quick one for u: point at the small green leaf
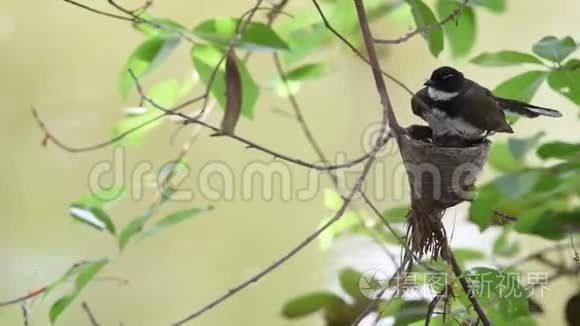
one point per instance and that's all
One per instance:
(332, 200)
(521, 87)
(205, 59)
(494, 286)
(462, 32)
(93, 216)
(410, 312)
(349, 281)
(311, 303)
(517, 184)
(502, 246)
(481, 210)
(255, 36)
(501, 158)
(295, 77)
(348, 221)
(504, 58)
(552, 220)
(396, 214)
(102, 197)
(425, 17)
(305, 41)
(566, 80)
(496, 6)
(464, 255)
(519, 147)
(136, 225)
(85, 274)
(558, 149)
(148, 56)
(165, 94)
(172, 219)
(554, 49)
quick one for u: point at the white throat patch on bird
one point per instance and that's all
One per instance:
(438, 95)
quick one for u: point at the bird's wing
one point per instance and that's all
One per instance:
(484, 112)
(419, 102)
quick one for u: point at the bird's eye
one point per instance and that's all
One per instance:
(447, 76)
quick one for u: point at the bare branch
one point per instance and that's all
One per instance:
(23, 298)
(90, 314)
(355, 50)
(25, 313)
(250, 144)
(425, 29)
(467, 288)
(106, 143)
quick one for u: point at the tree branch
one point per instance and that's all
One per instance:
(425, 29)
(90, 314)
(467, 288)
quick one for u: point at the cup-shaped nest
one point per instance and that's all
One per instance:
(439, 177)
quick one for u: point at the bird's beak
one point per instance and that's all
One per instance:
(428, 83)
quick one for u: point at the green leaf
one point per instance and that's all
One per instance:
(495, 286)
(396, 214)
(205, 59)
(255, 36)
(84, 274)
(551, 221)
(554, 49)
(410, 312)
(519, 147)
(502, 246)
(148, 56)
(501, 158)
(93, 216)
(517, 184)
(462, 32)
(136, 225)
(504, 58)
(344, 225)
(464, 255)
(295, 78)
(349, 281)
(496, 6)
(332, 200)
(102, 197)
(559, 150)
(481, 210)
(173, 219)
(165, 94)
(311, 303)
(424, 17)
(566, 80)
(305, 41)
(521, 87)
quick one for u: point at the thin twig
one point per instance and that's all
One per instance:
(355, 50)
(277, 263)
(25, 313)
(90, 314)
(108, 142)
(23, 298)
(299, 116)
(248, 143)
(467, 288)
(425, 29)
(100, 12)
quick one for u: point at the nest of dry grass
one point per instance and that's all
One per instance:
(440, 176)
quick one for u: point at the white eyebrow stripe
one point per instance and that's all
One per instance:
(447, 76)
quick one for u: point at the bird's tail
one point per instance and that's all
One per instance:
(524, 109)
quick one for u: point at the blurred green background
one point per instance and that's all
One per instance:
(65, 61)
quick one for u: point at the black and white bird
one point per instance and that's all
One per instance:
(457, 107)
